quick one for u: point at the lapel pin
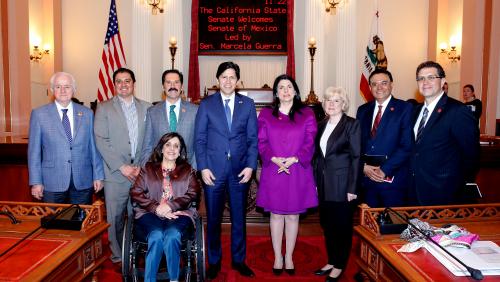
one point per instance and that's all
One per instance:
(183, 110)
(439, 110)
(80, 114)
(240, 102)
(392, 109)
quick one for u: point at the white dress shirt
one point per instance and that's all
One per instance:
(69, 113)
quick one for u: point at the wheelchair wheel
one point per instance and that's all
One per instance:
(127, 250)
(200, 250)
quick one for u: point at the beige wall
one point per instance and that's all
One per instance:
(404, 23)
(404, 28)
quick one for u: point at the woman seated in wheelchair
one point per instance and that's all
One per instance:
(162, 196)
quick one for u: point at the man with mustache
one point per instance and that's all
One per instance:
(171, 115)
(119, 131)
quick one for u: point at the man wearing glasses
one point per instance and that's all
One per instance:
(446, 150)
(119, 132)
(386, 142)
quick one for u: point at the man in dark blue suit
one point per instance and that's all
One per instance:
(385, 133)
(226, 154)
(446, 150)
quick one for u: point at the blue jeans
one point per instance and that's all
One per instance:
(163, 236)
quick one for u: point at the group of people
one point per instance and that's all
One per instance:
(153, 160)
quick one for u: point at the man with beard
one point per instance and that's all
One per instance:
(119, 131)
(171, 115)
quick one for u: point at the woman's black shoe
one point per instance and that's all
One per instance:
(334, 279)
(290, 271)
(321, 272)
(277, 271)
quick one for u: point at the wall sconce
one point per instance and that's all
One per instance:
(156, 6)
(37, 53)
(331, 5)
(452, 54)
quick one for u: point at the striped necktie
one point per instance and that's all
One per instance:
(421, 125)
(66, 125)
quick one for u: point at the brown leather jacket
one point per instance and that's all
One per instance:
(147, 190)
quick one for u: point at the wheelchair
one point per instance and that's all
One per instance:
(192, 254)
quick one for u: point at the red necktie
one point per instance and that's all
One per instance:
(377, 121)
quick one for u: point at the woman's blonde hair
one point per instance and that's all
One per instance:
(331, 91)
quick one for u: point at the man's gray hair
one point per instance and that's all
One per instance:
(61, 73)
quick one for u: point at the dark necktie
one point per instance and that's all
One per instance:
(228, 113)
(376, 122)
(173, 119)
(66, 125)
(421, 125)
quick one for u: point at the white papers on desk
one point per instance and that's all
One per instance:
(483, 255)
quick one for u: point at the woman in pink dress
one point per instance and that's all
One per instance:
(286, 146)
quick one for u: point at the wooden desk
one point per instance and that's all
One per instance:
(50, 255)
(377, 255)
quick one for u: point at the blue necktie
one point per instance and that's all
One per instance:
(173, 119)
(228, 112)
(66, 125)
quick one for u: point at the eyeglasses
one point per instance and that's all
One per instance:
(430, 78)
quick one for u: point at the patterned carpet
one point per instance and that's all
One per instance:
(309, 255)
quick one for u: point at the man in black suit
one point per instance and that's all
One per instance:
(446, 150)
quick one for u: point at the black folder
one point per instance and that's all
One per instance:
(374, 160)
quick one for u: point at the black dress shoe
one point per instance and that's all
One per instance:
(321, 272)
(334, 279)
(290, 271)
(277, 271)
(213, 270)
(243, 269)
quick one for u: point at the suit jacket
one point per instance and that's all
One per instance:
(336, 172)
(446, 155)
(157, 125)
(214, 140)
(148, 188)
(112, 139)
(52, 159)
(393, 139)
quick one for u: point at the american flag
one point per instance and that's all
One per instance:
(112, 57)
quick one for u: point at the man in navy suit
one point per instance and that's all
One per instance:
(63, 161)
(226, 154)
(173, 114)
(385, 132)
(446, 150)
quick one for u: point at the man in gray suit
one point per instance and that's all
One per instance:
(119, 131)
(63, 161)
(173, 114)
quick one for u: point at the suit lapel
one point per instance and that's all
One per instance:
(56, 119)
(182, 111)
(436, 114)
(121, 116)
(367, 122)
(140, 109)
(321, 129)
(387, 116)
(330, 145)
(219, 107)
(77, 120)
